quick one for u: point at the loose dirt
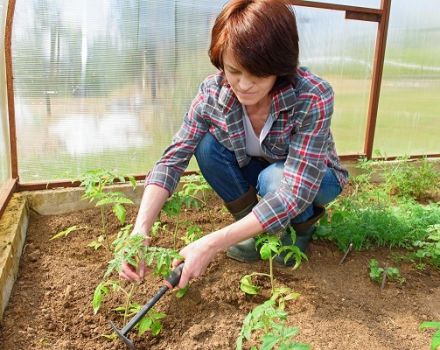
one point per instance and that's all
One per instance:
(339, 307)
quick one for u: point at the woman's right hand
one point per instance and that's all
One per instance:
(130, 272)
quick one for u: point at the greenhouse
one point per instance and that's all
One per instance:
(308, 218)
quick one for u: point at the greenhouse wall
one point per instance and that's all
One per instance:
(107, 83)
(409, 112)
(5, 169)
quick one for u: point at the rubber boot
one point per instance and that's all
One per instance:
(245, 251)
(304, 232)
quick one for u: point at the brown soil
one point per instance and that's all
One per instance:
(339, 307)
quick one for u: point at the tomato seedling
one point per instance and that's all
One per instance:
(380, 274)
(270, 246)
(94, 182)
(132, 249)
(65, 232)
(268, 322)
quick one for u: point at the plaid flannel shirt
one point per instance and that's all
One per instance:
(300, 135)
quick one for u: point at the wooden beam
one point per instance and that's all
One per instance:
(36, 186)
(353, 12)
(6, 192)
(376, 80)
(10, 89)
(369, 17)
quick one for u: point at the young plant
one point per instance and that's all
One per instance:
(270, 246)
(429, 248)
(151, 323)
(186, 197)
(435, 342)
(380, 275)
(267, 324)
(197, 185)
(132, 249)
(94, 182)
(292, 251)
(193, 233)
(173, 208)
(65, 232)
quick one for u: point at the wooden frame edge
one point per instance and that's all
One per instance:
(6, 192)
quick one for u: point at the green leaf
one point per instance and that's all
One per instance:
(156, 327)
(120, 212)
(65, 232)
(145, 324)
(430, 324)
(132, 181)
(182, 292)
(247, 286)
(100, 292)
(265, 252)
(269, 341)
(239, 343)
(435, 342)
(112, 198)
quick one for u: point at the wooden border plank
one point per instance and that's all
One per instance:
(36, 186)
(6, 192)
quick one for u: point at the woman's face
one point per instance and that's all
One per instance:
(251, 91)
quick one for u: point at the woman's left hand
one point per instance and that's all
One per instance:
(197, 255)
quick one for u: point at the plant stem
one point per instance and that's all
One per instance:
(127, 303)
(175, 234)
(104, 229)
(384, 279)
(271, 272)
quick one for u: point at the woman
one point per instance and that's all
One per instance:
(261, 125)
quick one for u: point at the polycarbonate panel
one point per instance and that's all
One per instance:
(104, 83)
(341, 51)
(409, 110)
(5, 169)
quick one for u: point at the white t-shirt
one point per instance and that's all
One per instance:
(253, 142)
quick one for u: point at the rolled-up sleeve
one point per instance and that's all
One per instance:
(168, 170)
(305, 165)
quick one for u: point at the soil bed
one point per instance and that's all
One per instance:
(339, 308)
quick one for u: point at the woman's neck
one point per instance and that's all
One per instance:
(261, 107)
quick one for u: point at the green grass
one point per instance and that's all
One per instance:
(407, 120)
(387, 214)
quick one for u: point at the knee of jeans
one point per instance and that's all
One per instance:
(270, 178)
(205, 148)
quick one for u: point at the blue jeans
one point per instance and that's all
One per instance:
(220, 168)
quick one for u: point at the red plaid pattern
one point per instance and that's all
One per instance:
(300, 135)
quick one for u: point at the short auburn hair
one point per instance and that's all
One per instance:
(262, 36)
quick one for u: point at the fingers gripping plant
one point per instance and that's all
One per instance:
(94, 182)
(132, 249)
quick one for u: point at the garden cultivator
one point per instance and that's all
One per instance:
(170, 282)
